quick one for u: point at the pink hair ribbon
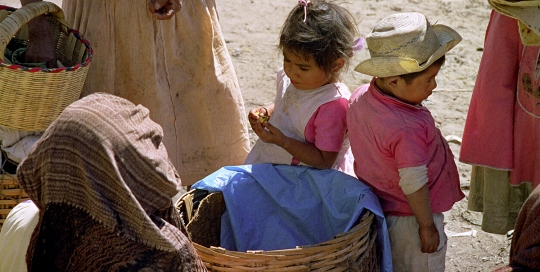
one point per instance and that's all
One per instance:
(304, 3)
(358, 44)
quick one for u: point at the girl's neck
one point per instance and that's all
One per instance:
(334, 78)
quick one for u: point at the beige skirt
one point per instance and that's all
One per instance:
(500, 202)
(179, 69)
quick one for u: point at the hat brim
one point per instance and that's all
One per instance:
(395, 66)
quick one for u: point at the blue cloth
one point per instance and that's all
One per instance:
(271, 207)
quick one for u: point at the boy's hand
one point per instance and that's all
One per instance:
(430, 238)
(421, 207)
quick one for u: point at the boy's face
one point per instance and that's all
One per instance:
(304, 73)
(419, 89)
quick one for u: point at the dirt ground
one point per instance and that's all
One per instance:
(251, 29)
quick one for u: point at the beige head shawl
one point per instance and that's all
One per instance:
(527, 12)
(104, 156)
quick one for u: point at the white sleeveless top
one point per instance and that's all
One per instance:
(293, 108)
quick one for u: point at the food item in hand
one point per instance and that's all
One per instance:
(262, 117)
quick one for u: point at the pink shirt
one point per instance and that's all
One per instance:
(328, 125)
(386, 135)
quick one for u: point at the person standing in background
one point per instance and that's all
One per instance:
(501, 138)
(169, 56)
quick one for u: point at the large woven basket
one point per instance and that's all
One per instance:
(31, 98)
(355, 250)
(10, 195)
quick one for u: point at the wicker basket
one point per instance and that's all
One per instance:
(355, 250)
(31, 98)
(10, 195)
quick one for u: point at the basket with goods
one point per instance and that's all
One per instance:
(32, 97)
(354, 250)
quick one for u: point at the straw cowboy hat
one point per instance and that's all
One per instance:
(405, 43)
(528, 15)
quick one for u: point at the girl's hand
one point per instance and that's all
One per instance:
(258, 115)
(270, 134)
(164, 9)
(430, 238)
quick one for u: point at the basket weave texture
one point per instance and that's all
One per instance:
(10, 195)
(31, 98)
(355, 250)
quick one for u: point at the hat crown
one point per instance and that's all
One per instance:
(404, 35)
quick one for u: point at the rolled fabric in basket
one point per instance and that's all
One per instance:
(271, 207)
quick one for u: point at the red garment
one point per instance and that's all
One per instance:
(386, 135)
(499, 132)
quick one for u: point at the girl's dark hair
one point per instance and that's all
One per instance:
(327, 34)
(410, 77)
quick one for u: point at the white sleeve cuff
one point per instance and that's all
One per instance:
(412, 178)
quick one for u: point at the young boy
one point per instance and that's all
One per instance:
(398, 150)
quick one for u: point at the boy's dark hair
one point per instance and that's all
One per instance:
(327, 34)
(410, 77)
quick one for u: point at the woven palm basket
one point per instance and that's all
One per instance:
(10, 195)
(355, 250)
(31, 98)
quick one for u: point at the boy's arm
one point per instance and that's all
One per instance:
(421, 207)
(411, 179)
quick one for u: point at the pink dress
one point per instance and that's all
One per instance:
(501, 138)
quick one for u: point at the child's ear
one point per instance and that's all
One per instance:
(393, 81)
(338, 64)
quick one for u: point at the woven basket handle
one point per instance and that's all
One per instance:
(20, 17)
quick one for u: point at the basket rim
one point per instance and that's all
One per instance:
(76, 33)
(365, 223)
(337, 252)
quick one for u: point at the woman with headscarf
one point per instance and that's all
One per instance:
(103, 183)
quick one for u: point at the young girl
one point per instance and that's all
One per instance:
(306, 125)
(286, 194)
